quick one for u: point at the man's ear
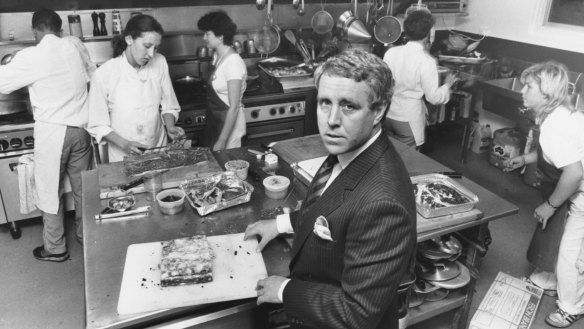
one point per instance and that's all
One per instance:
(380, 111)
(129, 40)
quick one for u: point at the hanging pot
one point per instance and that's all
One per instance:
(388, 28)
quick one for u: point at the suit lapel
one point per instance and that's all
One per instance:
(334, 196)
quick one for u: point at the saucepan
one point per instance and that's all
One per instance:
(15, 102)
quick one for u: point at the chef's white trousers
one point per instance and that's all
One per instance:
(570, 282)
(75, 158)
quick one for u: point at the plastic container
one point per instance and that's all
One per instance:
(507, 143)
(276, 186)
(482, 139)
(171, 201)
(239, 167)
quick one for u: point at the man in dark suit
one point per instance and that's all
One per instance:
(354, 241)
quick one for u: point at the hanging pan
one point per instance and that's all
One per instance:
(388, 28)
(267, 38)
(322, 21)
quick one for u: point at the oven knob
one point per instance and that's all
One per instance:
(29, 141)
(292, 109)
(4, 145)
(16, 143)
(273, 111)
(282, 110)
(188, 121)
(255, 114)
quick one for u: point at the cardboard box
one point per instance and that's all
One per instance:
(510, 303)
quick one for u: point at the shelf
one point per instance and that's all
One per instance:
(428, 310)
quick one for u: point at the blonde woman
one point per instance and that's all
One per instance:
(560, 157)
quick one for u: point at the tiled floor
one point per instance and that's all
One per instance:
(37, 294)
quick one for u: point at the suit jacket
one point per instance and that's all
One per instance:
(352, 281)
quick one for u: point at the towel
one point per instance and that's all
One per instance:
(26, 187)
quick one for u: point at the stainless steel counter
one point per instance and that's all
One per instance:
(106, 243)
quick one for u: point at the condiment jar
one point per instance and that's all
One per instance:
(250, 47)
(202, 52)
(75, 26)
(116, 22)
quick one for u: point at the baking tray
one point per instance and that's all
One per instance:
(429, 212)
(462, 60)
(207, 183)
(265, 65)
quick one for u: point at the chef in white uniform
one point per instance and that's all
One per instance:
(56, 76)
(132, 103)
(416, 76)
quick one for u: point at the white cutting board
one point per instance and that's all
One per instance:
(236, 269)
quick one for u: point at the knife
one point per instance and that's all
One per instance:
(451, 174)
(131, 184)
(120, 214)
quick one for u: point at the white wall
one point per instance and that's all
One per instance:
(519, 20)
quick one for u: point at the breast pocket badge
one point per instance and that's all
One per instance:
(321, 229)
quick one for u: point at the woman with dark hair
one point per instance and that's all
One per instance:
(226, 83)
(132, 103)
(560, 157)
(416, 76)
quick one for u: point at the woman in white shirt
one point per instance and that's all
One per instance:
(416, 76)
(560, 157)
(226, 84)
(131, 99)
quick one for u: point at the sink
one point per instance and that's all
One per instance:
(506, 87)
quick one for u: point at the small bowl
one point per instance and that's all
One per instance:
(276, 186)
(121, 203)
(239, 167)
(171, 201)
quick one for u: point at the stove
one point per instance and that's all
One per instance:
(16, 134)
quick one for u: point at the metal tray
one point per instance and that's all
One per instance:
(210, 181)
(462, 60)
(430, 212)
(265, 65)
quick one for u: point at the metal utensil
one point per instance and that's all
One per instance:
(120, 214)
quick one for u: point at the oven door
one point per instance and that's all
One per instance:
(265, 132)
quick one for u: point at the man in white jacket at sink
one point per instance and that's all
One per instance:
(56, 76)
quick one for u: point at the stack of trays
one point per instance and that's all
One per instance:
(437, 270)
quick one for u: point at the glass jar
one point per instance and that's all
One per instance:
(75, 26)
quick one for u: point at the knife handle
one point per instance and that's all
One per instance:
(131, 184)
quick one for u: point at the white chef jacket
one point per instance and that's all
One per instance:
(56, 77)
(131, 102)
(415, 73)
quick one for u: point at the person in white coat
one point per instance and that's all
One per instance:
(132, 103)
(56, 76)
(415, 73)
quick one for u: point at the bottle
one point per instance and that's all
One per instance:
(528, 142)
(103, 30)
(116, 22)
(486, 137)
(95, 24)
(75, 26)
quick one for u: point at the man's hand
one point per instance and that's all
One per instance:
(134, 148)
(268, 288)
(266, 229)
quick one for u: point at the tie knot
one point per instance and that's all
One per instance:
(331, 160)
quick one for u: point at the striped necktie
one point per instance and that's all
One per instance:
(320, 179)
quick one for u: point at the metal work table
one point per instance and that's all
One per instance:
(105, 244)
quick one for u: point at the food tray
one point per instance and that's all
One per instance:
(265, 66)
(462, 60)
(428, 212)
(208, 183)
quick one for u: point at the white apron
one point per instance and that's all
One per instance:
(135, 113)
(49, 139)
(413, 111)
